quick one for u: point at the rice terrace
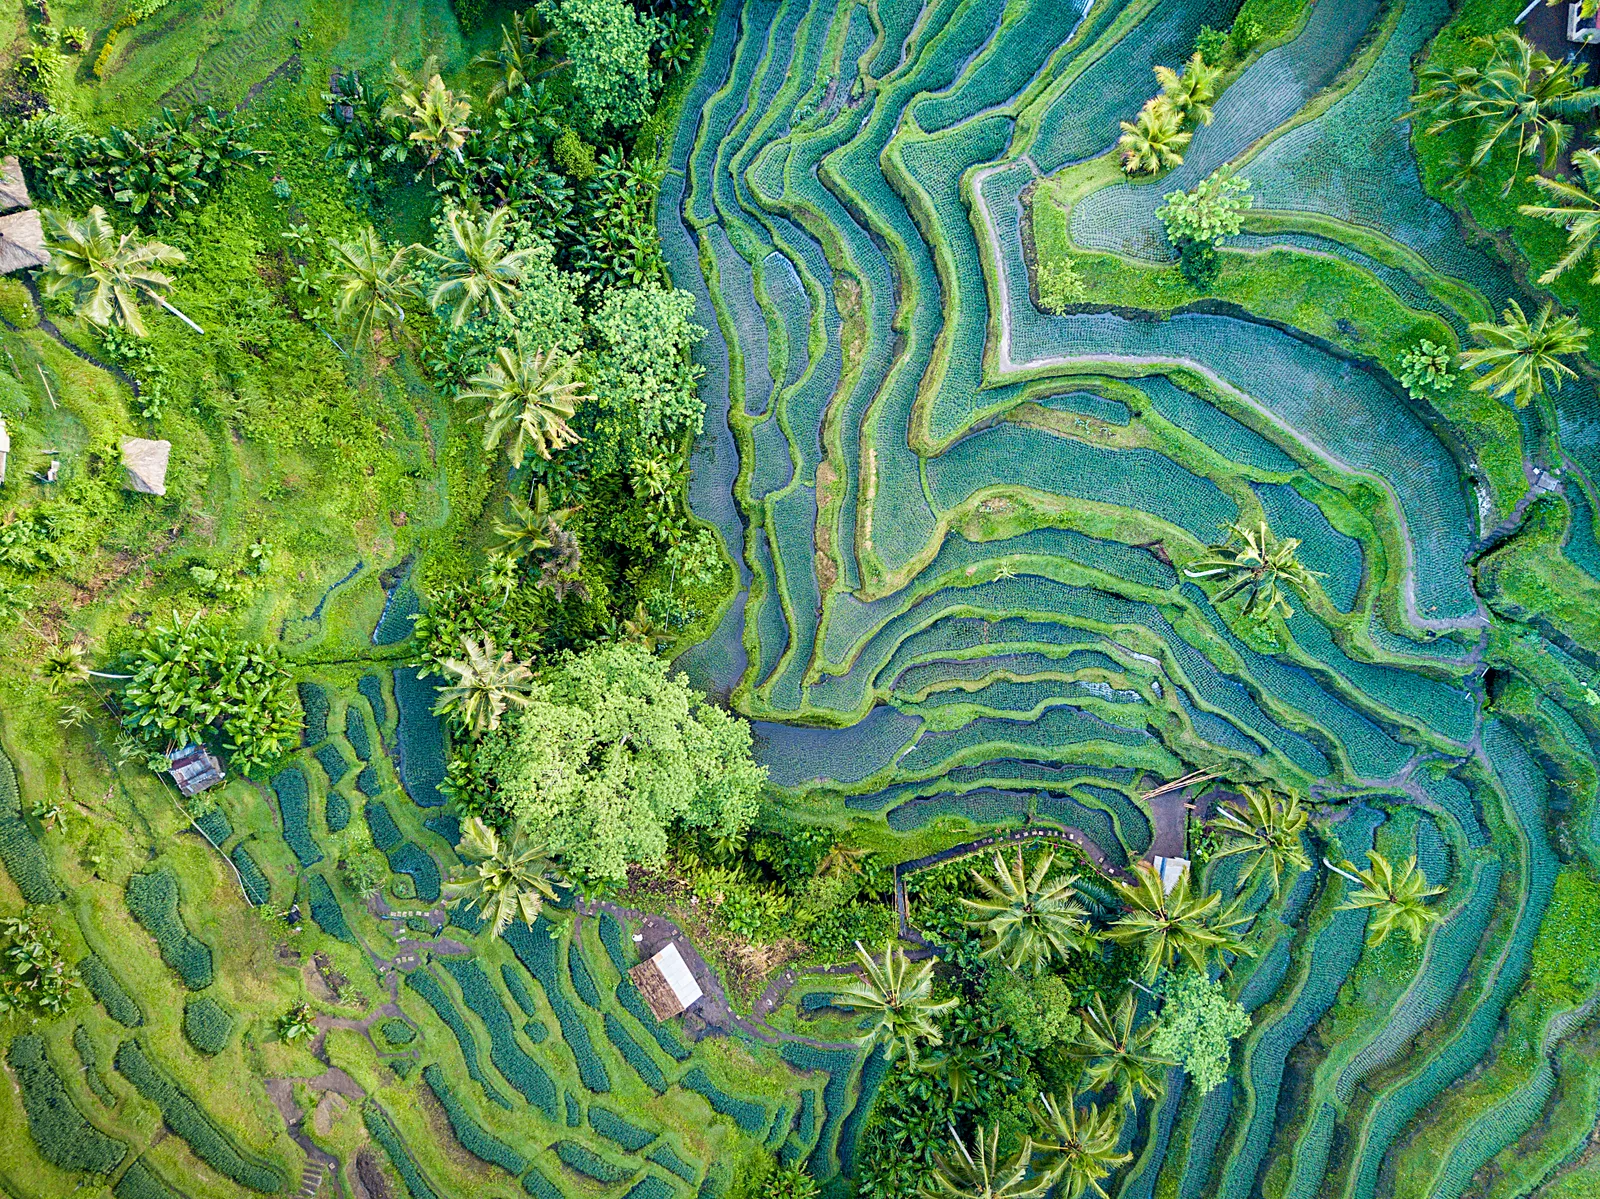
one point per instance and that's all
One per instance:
(764, 599)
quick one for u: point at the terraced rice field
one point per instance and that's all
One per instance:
(961, 521)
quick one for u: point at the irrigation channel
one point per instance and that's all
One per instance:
(956, 515)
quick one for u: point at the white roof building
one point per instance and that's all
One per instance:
(667, 983)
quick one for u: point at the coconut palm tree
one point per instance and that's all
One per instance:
(436, 116)
(535, 393)
(483, 686)
(1576, 209)
(475, 269)
(506, 878)
(103, 273)
(1255, 562)
(531, 528)
(1078, 1146)
(1519, 353)
(1520, 94)
(372, 282)
(902, 998)
(1117, 1052)
(1153, 140)
(981, 1172)
(841, 861)
(1398, 897)
(519, 58)
(1190, 92)
(1174, 924)
(1267, 827)
(1027, 918)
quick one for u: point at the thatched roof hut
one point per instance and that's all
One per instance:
(5, 448)
(21, 242)
(13, 187)
(146, 464)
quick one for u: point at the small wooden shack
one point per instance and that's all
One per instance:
(667, 983)
(194, 769)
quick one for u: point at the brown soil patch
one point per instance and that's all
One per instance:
(370, 1175)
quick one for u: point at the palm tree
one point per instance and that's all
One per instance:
(1254, 561)
(530, 529)
(1191, 92)
(476, 267)
(1173, 924)
(518, 57)
(1079, 1146)
(1268, 828)
(1520, 353)
(841, 861)
(1577, 210)
(1155, 139)
(372, 282)
(1398, 898)
(902, 997)
(436, 116)
(1027, 918)
(484, 685)
(507, 878)
(1117, 1051)
(104, 273)
(534, 392)
(980, 1172)
(1519, 93)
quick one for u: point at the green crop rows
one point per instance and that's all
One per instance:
(63, 1136)
(153, 900)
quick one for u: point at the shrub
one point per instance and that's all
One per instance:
(16, 305)
(614, 1128)
(256, 887)
(84, 1044)
(582, 980)
(153, 900)
(185, 1118)
(368, 782)
(109, 993)
(35, 978)
(215, 825)
(535, 1031)
(63, 1136)
(1060, 285)
(585, 1161)
(666, 1037)
(371, 689)
(472, 1135)
(355, 732)
(1566, 957)
(573, 156)
(536, 950)
(139, 1181)
(428, 987)
(635, 1055)
(294, 809)
(207, 1025)
(314, 702)
(336, 813)
(1199, 264)
(326, 911)
(19, 848)
(1212, 44)
(194, 682)
(1426, 367)
(751, 1117)
(386, 833)
(664, 1156)
(331, 758)
(515, 1066)
(384, 1133)
(396, 1031)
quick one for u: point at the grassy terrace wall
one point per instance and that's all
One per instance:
(966, 522)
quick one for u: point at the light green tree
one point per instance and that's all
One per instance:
(611, 751)
(1267, 828)
(1154, 140)
(475, 268)
(1115, 1047)
(899, 996)
(1198, 1026)
(1396, 897)
(520, 56)
(981, 1172)
(1211, 212)
(1190, 92)
(1518, 354)
(480, 686)
(372, 282)
(609, 43)
(505, 878)
(436, 116)
(1176, 925)
(104, 273)
(1575, 209)
(533, 394)
(1027, 917)
(1077, 1146)
(1255, 563)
